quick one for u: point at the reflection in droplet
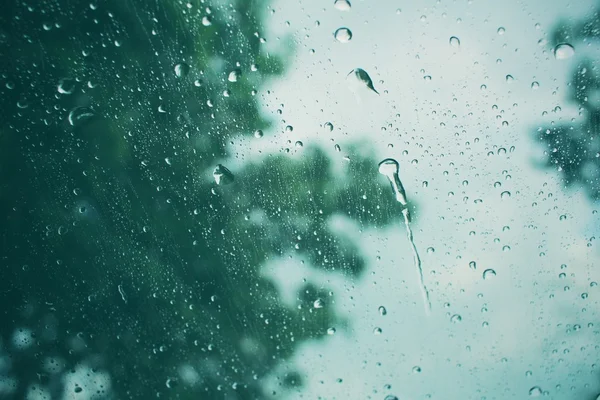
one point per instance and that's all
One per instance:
(79, 115)
(342, 5)
(222, 175)
(363, 78)
(343, 35)
(489, 273)
(455, 42)
(181, 70)
(562, 51)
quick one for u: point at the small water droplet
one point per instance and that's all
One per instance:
(328, 126)
(79, 115)
(171, 383)
(331, 331)
(382, 310)
(455, 42)
(501, 30)
(258, 133)
(509, 78)
(318, 303)
(562, 51)
(473, 265)
(535, 85)
(416, 369)
(390, 397)
(489, 273)
(562, 217)
(289, 129)
(377, 331)
(78, 389)
(207, 20)
(362, 78)
(430, 250)
(222, 175)
(343, 35)
(181, 69)
(298, 144)
(455, 319)
(342, 5)
(505, 194)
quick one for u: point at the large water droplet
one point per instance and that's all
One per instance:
(362, 78)
(181, 70)
(489, 273)
(258, 133)
(342, 5)
(454, 41)
(343, 35)
(382, 310)
(562, 51)
(79, 115)
(328, 126)
(535, 391)
(318, 303)
(66, 86)
(234, 75)
(222, 175)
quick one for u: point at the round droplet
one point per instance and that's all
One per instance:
(562, 51)
(430, 250)
(328, 126)
(382, 310)
(535, 85)
(78, 389)
(258, 133)
(318, 303)
(79, 115)
(535, 391)
(343, 35)
(489, 274)
(206, 21)
(473, 265)
(377, 331)
(390, 397)
(455, 319)
(455, 42)
(222, 175)
(501, 30)
(289, 129)
(234, 75)
(298, 144)
(509, 78)
(416, 369)
(505, 194)
(342, 5)
(66, 86)
(181, 70)
(331, 331)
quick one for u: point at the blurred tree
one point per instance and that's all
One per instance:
(574, 147)
(127, 271)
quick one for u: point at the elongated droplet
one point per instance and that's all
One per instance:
(79, 115)
(363, 78)
(390, 167)
(222, 175)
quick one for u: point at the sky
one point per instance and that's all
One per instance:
(497, 338)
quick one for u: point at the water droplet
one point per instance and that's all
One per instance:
(489, 273)
(331, 331)
(430, 250)
(416, 369)
(79, 115)
(362, 77)
(382, 310)
(427, 78)
(505, 194)
(181, 70)
(66, 86)
(342, 5)
(455, 319)
(509, 78)
(78, 389)
(289, 129)
(473, 265)
(390, 397)
(298, 144)
(506, 248)
(535, 85)
(171, 383)
(343, 35)
(454, 41)
(222, 175)
(562, 51)
(328, 126)
(318, 303)
(535, 391)
(258, 133)
(206, 20)
(425, 184)
(377, 331)
(562, 217)
(501, 30)
(234, 75)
